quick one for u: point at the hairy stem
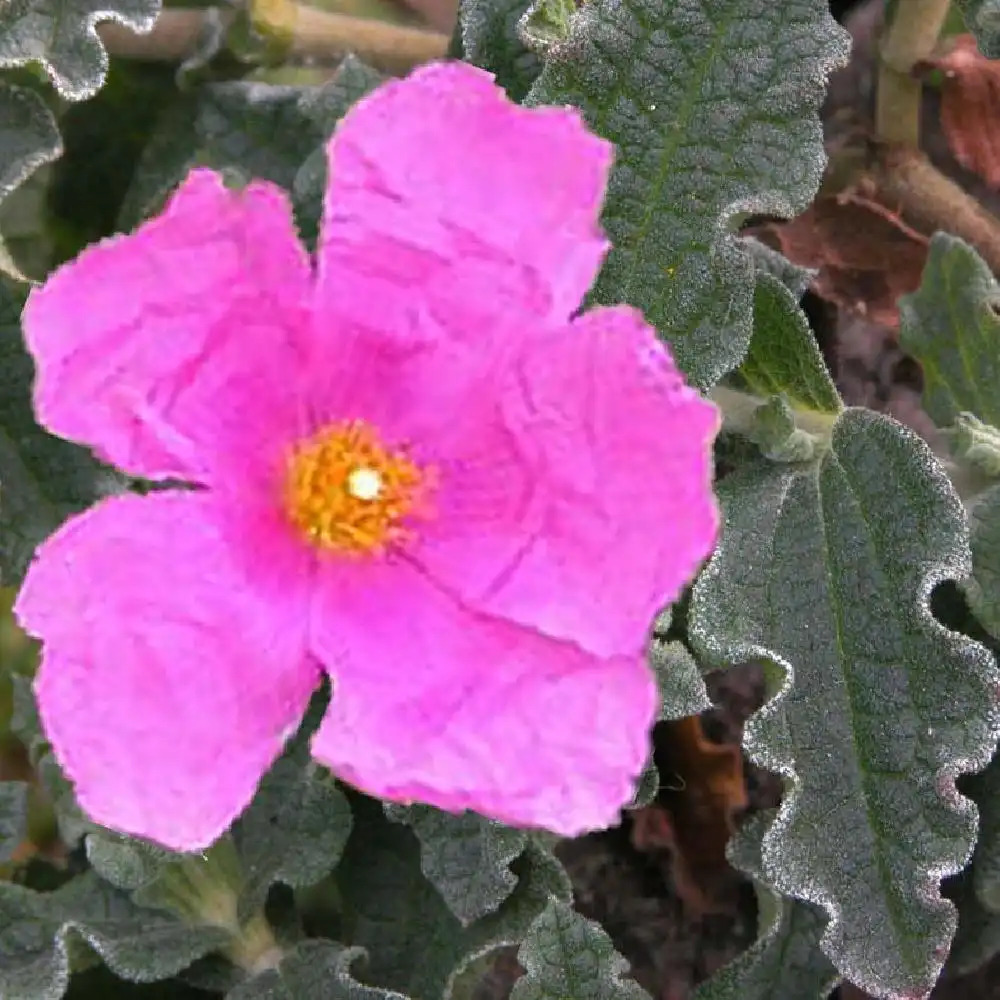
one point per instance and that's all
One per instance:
(910, 183)
(907, 39)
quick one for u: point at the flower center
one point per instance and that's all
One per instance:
(344, 490)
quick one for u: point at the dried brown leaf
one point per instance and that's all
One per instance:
(970, 106)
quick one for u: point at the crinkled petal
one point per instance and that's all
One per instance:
(434, 703)
(448, 205)
(580, 503)
(166, 686)
(181, 341)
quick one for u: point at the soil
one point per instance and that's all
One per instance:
(633, 885)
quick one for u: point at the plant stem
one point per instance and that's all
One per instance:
(930, 201)
(908, 38)
(174, 37)
(315, 33)
(255, 948)
(307, 32)
(738, 409)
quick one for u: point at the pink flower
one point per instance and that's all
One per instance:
(416, 472)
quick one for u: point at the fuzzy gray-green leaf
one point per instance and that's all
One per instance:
(785, 962)
(293, 832)
(566, 955)
(712, 105)
(983, 19)
(37, 932)
(252, 130)
(982, 588)
(491, 38)
(826, 571)
(62, 36)
(13, 816)
(951, 325)
(465, 857)
(29, 138)
(415, 944)
(314, 970)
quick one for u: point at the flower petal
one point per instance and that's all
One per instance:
(436, 704)
(448, 200)
(141, 341)
(608, 508)
(166, 687)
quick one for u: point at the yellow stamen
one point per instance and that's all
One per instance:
(345, 491)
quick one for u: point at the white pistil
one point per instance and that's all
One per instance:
(364, 484)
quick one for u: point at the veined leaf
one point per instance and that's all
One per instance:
(712, 105)
(566, 955)
(783, 356)
(825, 571)
(466, 857)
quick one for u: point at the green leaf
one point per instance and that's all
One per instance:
(315, 970)
(466, 857)
(348, 85)
(294, 831)
(62, 36)
(826, 571)
(103, 139)
(768, 261)
(978, 937)
(982, 588)
(983, 19)
(784, 356)
(416, 945)
(951, 325)
(26, 726)
(34, 964)
(785, 962)
(43, 479)
(566, 955)
(491, 38)
(29, 138)
(252, 130)
(40, 931)
(13, 816)
(712, 105)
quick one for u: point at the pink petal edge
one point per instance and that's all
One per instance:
(598, 508)
(448, 204)
(435, 704)
(126, 336)
(166, 688)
